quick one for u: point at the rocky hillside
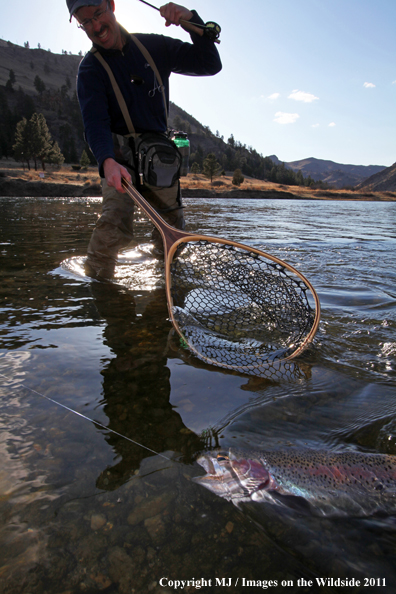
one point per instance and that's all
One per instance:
(384, 181)
(36, 80)
(55, 70)
(334, 174)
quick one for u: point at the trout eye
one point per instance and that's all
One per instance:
(222, 457)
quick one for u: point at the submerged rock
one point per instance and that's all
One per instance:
(150, 508)
(98, 521)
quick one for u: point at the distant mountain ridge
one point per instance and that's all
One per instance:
(384, 181)
(334, 174)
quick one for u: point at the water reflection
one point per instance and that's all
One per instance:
(136, 387)
(86, 510)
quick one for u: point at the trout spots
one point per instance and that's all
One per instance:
(351, 483)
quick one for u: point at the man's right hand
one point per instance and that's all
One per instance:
(174, 13)
(114, 172)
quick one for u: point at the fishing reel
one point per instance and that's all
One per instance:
(212, 31)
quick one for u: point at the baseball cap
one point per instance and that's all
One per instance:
(74, 5)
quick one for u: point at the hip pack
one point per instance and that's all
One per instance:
(158, 160)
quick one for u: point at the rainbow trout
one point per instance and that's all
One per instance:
(348, 483)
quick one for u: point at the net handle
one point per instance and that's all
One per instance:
(169, 234)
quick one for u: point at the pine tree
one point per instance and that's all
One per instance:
(210, 166)
(238, 178)
(22, 146)
(18, 147)
(39, 84)
(55, 155)
(300, 178)
(33, 141)
(84, 160)
(41, 143)
(11, 81)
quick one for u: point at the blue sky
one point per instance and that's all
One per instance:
(300, 79)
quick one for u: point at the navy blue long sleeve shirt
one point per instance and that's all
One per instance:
(101, 113)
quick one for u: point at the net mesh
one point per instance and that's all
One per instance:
(236, 308)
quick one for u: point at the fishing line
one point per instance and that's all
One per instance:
(91, 420)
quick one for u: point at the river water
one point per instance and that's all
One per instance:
(109, 505)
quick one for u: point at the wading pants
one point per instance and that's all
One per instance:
(114, 229)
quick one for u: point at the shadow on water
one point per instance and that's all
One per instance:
(85, 510)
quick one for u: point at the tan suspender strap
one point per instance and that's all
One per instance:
(150, 60)
(116, 88)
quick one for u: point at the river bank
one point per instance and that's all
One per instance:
(70, 182)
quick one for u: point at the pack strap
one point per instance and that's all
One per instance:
(116, 88)
(150, 60)
(117, 91)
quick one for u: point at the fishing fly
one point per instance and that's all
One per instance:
(211, 29)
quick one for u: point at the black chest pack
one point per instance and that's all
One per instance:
(153, 156)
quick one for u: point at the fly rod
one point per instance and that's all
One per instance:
(211, 29)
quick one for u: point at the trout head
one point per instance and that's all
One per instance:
(234, 477)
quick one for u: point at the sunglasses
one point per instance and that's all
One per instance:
(88, 23)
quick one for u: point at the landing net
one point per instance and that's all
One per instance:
(238, 309)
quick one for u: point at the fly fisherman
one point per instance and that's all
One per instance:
(116, 120)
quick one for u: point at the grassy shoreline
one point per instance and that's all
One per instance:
(66, 181)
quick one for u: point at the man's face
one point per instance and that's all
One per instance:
(104, 30)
